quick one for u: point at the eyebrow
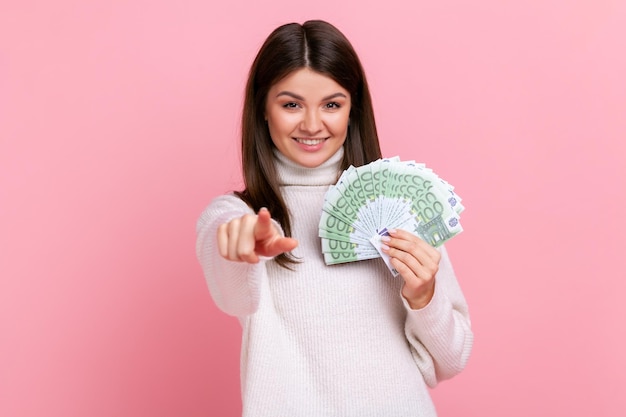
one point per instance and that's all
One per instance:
(298, 97)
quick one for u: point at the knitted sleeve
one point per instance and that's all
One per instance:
(440, 334)
(234, 286)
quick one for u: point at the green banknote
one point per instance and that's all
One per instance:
(386, 194)
(344, 257)
(341, 252)
(438, 219)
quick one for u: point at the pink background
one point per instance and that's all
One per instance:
(119, 122)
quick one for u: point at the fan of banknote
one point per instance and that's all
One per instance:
(369, 200)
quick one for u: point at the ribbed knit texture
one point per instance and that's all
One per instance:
(331, 340)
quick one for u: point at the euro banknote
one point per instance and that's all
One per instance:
(388, 193)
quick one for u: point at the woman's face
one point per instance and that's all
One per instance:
(307, 114)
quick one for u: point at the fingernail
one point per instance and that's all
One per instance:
(385, 239)
(392, 231)
(384, 247)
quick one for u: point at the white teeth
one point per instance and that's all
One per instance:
(310, 141)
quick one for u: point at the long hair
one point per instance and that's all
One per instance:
(320, 46)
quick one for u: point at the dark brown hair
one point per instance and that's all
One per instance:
(320, 46)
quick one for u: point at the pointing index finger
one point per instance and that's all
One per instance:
(263, 228)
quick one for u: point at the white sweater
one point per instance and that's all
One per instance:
(334, 340)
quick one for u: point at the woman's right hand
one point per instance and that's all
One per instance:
(246, 238)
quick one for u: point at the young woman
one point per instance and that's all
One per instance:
(318, 340)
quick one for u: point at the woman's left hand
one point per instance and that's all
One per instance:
(417, 262)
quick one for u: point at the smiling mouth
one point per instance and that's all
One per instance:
(309, 141)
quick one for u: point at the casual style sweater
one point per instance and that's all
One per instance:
(335, 340)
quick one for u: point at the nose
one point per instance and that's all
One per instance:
(311, 122)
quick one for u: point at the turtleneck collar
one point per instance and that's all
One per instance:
(290, 173)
